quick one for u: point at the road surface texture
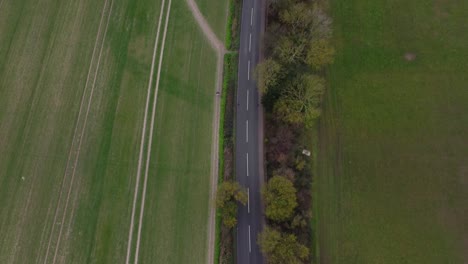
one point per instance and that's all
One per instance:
(250, 217)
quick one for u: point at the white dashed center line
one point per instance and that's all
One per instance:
(251, 16)
(250, 246)
(248, 200)
(247, 131)
(247, 158)
(247, 100)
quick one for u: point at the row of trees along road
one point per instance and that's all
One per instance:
(297, 50)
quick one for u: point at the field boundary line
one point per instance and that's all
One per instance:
(153, 114)
(76, 129)
(220, 50)
(143, 135)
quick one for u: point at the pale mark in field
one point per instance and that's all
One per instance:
(148, 155)
(143, 136)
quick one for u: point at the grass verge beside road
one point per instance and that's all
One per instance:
(224, 242)
(224, 251)
(233, 25)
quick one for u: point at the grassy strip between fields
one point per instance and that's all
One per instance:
(224, 245)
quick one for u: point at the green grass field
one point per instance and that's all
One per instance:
(175, 223)
(393, 161)
(46, 55)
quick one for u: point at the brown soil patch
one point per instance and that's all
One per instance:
(409, 56)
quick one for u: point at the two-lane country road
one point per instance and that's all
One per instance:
(250, 217)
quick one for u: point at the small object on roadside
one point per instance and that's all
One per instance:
(306, 152)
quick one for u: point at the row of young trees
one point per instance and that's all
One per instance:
(297, 50)
(280, 200)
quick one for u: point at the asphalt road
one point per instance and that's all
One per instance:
(250, 218)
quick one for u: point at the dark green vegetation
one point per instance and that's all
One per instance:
(279, 198)
(224, 248)
(282, 248)
(233, 25)
(225, 239)
(297, 50)
(229, 195)
(393, 157)
(46, 54)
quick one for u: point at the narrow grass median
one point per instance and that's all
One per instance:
(224, 251)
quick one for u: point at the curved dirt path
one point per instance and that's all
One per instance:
(218, 46)
(205, 27)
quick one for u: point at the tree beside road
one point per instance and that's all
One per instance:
(298, 48)
(230, 194)
(282, 248)
(280, 199)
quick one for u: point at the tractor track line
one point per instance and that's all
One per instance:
(34, 175)
(77, 124)
(82, 133)
(148, 154)
(143, 136)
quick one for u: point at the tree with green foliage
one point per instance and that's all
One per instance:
(267, 74)
(282, 248)
(320, 53)
(300, 102)
(280, 199)
(288, 51)
(297, 16)
(289, 111)
(229, 194)
(304, 23)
